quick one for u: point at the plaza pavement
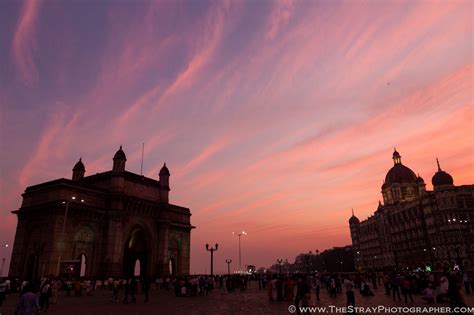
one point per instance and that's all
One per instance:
(253, 301)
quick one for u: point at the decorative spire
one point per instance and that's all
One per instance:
(397, 159)
(437, 162)
(352, 211)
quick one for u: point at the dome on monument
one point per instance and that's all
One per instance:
(120, 155)
(164, 170)
(79, 166)
(353, 220)
(441, 177)
(419, 180)
(399, 173)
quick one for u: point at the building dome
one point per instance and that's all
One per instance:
(79, 166)
(120, 155)
(399, 173)
(441, 177)
(420, 180)
(353, 219)
(164, 171)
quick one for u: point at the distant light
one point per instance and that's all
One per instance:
(73, 198)
(64, 202)
(82, 200)
(424, 249)
(434, 248)
(6, 245)
(454, 220)
(449, 220)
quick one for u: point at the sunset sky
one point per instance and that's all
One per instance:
(274, 117)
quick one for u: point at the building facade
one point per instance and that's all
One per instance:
(415, 227)
(114, 223)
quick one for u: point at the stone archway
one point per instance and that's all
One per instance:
(135, 249)
(174, 254)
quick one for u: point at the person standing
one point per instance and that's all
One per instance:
(45, 294)
(126, 291)
(332, 287)
(146, 287)
(406, 289)
(317, 287)
(28, 303)
(279, 288)
(270, 289)
(3, 291)
(395, 285)
(289, 289)
(133, 290)
(55, 291)
(349, 286)
(386, 284)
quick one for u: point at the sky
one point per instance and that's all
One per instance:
(274, 117)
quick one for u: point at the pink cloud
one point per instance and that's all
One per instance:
(24, 44)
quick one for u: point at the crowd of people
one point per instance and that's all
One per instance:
(303, 290)
(447, 287)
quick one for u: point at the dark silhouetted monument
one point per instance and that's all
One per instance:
(114, 223)
(415, 227)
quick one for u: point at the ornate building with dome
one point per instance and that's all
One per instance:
(114, 223)
(415, 227)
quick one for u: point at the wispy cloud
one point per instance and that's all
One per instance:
(24, 44)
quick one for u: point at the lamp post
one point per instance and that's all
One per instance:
(240, 251)
(279, 261)
(317, 259)
(228, 265)
(65, 202)
(3, 260)
(212, 249)
(307, 258)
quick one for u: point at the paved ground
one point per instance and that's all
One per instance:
(253, 301)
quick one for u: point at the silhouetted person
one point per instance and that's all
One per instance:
(133, 290)
(126, 291)
(28, 303)
(45, 294)
(406, 289)
(279, 289)
(146, 287)
(349, 285)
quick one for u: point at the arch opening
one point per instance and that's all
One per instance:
(135, 254)
(83, 265)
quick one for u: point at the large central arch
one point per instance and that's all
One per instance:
(136, 247)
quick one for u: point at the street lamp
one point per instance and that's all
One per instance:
(228, 265)
(3, 261)
(307, 258)
(212, 249)
(240, 251)
(65, 202)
